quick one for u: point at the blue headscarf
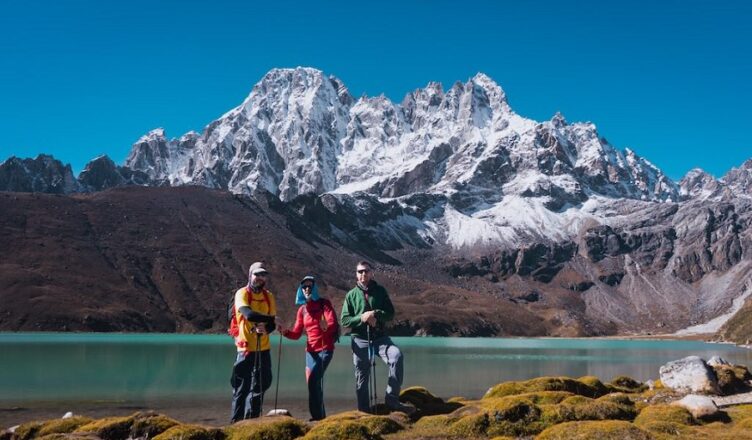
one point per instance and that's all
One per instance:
(300, 298)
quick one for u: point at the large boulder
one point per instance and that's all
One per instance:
(698, 406)
(717, 361)
(689, 375)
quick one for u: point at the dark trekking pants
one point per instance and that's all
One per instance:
(391, 355)
(316, 364)
(249, 381)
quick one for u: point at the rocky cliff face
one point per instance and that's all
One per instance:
(102, 173)
(739, 180)
(44, 174)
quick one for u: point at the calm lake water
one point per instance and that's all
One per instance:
(50, 373)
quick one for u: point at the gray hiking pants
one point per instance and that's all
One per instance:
(392, 357)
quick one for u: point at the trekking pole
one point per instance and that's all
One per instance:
(260, 371)
(279, 362)
(373, 375)
(275, 411)
(370, 354)
(372, 399)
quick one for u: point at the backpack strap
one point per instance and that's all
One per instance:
(266, 298)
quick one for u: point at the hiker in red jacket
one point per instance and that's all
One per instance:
(317, 317)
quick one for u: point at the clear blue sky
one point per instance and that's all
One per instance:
(669, 79)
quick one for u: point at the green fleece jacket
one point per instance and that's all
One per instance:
(355, 305)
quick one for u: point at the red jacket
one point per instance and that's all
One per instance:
(309, 317)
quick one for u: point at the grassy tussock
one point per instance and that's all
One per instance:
(666, 413)
(739, 412)
(151, 425)
(543, 384)
(625, 384)
(602, 430)
(375, 424)
(191, 432)
(595, 383)
(109, 428)
(277, 428)
(28, 430)
(340, 430)
(62, 426)
(426, 403)
(68, 436)
(539, 398)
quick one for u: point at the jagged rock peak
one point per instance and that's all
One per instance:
(558, 120)
(155, 134)
(189, 137)
(41, 174)
(435, 87)
(740, 179)
(299, 82)
(493, 90)
(162, 160)
(696, 175)
(102, 173)
(102, 158)
(698, 183)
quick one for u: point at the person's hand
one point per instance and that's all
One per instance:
(323, 325)
(280, 325)
(260, 328)
(365, 316)
(369, 318)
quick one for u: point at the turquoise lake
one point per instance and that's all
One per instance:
(43, 373)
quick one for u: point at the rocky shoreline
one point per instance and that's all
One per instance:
(691, 399)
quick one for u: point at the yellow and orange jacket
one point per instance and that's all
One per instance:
(262, 302)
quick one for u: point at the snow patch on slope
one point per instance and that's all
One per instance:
(716, 323)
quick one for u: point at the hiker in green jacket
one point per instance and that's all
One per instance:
(367, 308)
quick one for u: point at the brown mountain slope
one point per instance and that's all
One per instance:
(168, 259)
(738, 329)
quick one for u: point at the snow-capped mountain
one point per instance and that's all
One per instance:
(300, 132)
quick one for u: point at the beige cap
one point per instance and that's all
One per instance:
(257, 268)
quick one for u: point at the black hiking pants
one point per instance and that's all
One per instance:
(249, 381)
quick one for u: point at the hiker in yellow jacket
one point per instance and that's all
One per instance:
(255, 312)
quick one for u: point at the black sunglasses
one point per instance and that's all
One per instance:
(307, 286)
(363, 270)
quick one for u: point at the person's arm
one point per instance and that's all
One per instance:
(250, 315)
(254, 316)
(349, 317)
(297, 329)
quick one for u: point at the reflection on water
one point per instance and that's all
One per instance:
(146, 367)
